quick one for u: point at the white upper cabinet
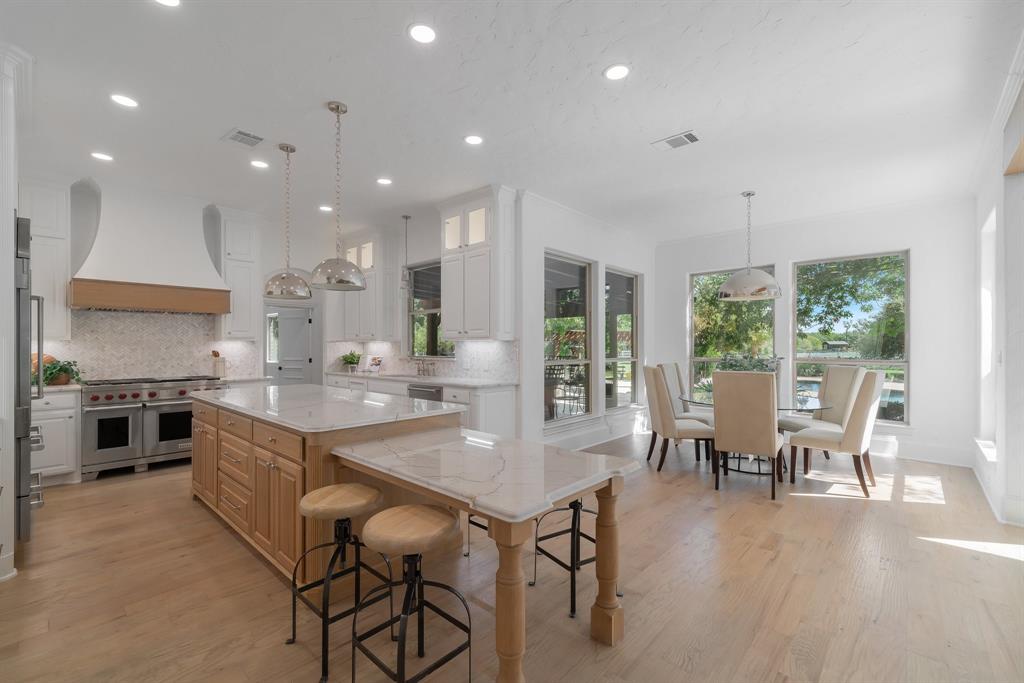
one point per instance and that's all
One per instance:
(371, 314)
(237, 236)
(241, 241)
(47, 206)
(478, 234)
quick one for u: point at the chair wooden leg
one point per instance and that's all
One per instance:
(777, 464)
(664, 450)
(773, 477)
(709, 446)
(792, 465)
(807, 460)
(696, 449)
(715, 467)
(725, 463)
(867, 466)
(826, 455)
(860, 475)
(654, 440)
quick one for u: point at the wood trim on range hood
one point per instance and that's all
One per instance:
(139, 296)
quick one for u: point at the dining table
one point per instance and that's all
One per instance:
(509, 483)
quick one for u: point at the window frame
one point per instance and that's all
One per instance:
(858, 362)
(267, 317)
(691, 337)
(635, 358)
(412, 312)
(586, 363)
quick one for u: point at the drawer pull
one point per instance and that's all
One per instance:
(272, 439)
(234, 460)
(230, 504)
(231, 423)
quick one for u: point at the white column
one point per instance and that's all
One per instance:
(14, 65)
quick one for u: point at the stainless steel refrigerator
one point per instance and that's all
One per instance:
(26, 438)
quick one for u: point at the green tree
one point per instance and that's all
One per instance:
(729, 327)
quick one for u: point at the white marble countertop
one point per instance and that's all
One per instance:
(318, 408)
(463, 382)
(509, 479)
(58, 388)
(242, 380)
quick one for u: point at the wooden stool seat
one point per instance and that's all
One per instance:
(340, 501)
(410, 529)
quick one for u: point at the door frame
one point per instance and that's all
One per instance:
(316, 333)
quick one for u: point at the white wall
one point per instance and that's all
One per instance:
(941, 305)
(545, 225)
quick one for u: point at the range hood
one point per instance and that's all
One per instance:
(141, 251)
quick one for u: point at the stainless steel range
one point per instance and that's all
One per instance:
(137, 421)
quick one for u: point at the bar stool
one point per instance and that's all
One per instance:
(410, 531)
(338, 503)
(575, 533)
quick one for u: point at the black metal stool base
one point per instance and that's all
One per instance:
(413, 602)
(575, 562)
(343, 538)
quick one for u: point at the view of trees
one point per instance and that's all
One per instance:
(735, 327)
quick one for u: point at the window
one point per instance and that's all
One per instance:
(425, 313)
(566, 338)
(745, 328)
(273, 337)
(620, 355)
(853, 312)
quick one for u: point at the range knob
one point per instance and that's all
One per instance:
(135, 394)
(182, 392)
(109, 397)
(94, 397)
(122, 396)
(152, 394)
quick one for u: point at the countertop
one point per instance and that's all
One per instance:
(318, 408)
(464, 382)
(242, 380)
(510, 479)
(58, 388)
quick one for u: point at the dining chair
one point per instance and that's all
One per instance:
(664, 423)
(837, 390)
(855, 439)
(682, 410)
(746, 420)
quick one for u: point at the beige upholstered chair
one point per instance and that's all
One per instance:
(680, 408)
(839, 385)
(746, 420)
(855, 439)
(663, 421)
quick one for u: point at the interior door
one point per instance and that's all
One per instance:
(289, 354)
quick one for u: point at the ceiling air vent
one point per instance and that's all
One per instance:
(676, 141)
(242, 136)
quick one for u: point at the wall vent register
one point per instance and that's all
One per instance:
(245, 137)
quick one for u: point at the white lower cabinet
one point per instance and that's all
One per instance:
(57, 438)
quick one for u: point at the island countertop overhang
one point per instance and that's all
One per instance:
(314, 408)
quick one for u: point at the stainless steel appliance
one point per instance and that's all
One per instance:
(27, 493)
(431, 392)
(138, 421)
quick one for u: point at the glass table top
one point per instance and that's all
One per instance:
(795, 403)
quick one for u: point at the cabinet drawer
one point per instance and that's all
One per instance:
(64, 400)
(204, 413)
(235, 457)
(235, 503)
(235, 424)
(336, 381)
(453, 395)
(277, 440)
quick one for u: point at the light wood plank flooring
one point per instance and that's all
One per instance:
(128, 579)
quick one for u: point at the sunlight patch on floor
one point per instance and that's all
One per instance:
(923, 488)
(1011, 551)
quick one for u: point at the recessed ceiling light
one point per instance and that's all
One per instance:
(326, 209)
(257, 163)
(473, 140)
(616, 72)
(422, 33)
(383, 181)
(124, 101)
(102, 156)
(169, 3)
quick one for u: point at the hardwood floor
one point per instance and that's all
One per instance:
(127, 578)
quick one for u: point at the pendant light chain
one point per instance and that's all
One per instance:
(288, 210)
(748, 232)
(337, 182)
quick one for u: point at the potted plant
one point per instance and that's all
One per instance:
(350, 360)
(58, 372)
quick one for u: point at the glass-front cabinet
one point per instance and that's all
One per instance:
(466, 227)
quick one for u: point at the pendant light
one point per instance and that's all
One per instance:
(337, 273)
(287, 284)
(749, 284)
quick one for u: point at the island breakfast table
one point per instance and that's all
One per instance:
(510, 483)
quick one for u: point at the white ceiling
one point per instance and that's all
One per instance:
(820, 107)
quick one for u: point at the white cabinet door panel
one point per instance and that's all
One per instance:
(50, 280)
(239, 241)
(59, 440)
(477, 303)
(368, 308)
(453, 296)
(239, 276)
(350, 322)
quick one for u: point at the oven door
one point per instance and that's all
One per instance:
(111, 433)
(167, 428)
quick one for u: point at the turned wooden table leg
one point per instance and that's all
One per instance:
(510, 598)
(607, 621)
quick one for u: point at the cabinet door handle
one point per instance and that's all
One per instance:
(272, 439)
(263, 464)
(230, 423)
(230, 504)
(234, 460)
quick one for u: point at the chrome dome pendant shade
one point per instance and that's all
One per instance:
(749, 284)
(337, 273)
(287, 284)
